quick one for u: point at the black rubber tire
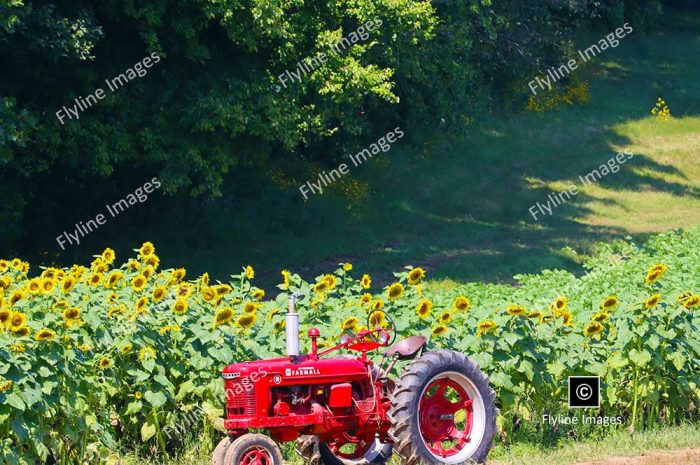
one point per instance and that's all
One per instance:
(317, 453)
(240, 446)
(405, 431)
(219, 454)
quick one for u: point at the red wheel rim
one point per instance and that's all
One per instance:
(352, 448)
(256, 456)
(441, 400)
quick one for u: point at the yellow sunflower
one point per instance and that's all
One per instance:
(147, 249)
(138, 395)
(445, 318)
(223, 316)
(23, 331)
(126, 348)
(159, 293)
(147, 353)
(178, 275)
(377, 318)
(535, 314)
(593, 328)
(286, 279)
(692, 301)
(439, 331)
(258, 294)
(153, 261)
(68, 284)
(485, 326)
(601, 317)
(250, 307)
(34, 286)
(366, 298)
(108, 256)
(45, 335)
(416, 275)
(113, 278)
(567, 318)
(559, 305)
(5, 283)
(321, 286)
(169, 329)
(516, 310)
(248, 320)
(685, 296)
(461, 304)
(347, 267)
(104, 363)
(148, 271)
(138, 283)
(180, 306)
(249, 272)
(184, 290)
(425, 307)
(331, 281)
(275, 311)
(133, 265)
(652, 301)
(610, 303)
(18, 320)
(95, 279)
(141, 305)
(350, 323)
(653, 276)
(222, 289)
(4, 316)
(378, 304)
(5, 386)
(17, 347)
(4, 265)
(395, 291)
(366, 281)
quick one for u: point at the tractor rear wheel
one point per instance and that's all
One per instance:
(443, 411)
(344, 451)
(253, 449)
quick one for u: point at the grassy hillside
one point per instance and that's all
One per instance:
(459, 205)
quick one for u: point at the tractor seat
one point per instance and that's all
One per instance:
(407, 349)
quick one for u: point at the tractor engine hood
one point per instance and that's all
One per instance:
(282, 371)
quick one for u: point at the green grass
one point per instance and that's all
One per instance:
(617, 443)
(459, 205)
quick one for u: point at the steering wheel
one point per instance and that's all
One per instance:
(391, 329)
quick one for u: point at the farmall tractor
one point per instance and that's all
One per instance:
(346, 410)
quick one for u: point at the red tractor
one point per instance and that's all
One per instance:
(345, 410)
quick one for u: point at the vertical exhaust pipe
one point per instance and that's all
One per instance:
(292, 324)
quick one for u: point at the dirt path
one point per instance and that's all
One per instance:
(677, 457)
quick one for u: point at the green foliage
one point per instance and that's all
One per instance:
(215, 103)
(130, 364)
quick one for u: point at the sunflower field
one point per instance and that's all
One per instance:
(102, 358)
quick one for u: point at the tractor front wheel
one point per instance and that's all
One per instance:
(253, 449)
(443, 411)
(220, 451)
